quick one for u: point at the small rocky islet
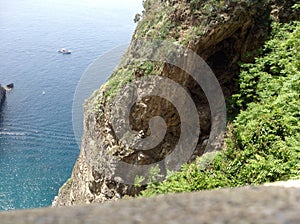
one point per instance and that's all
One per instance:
(3, 90)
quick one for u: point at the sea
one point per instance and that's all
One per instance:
(37, 144)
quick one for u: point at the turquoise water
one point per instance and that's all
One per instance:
(37, 144)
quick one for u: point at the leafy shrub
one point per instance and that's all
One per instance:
(263, 142)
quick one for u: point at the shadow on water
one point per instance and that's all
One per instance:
(2, 113)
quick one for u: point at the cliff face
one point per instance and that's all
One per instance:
(2, 95)
(223, 33)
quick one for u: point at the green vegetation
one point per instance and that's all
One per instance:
(128, 71)
(121, 77)
(126, 74)
(157, 24)
(263, 141)
(185, 21)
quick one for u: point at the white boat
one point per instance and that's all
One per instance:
(64, 51)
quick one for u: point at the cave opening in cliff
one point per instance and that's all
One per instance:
(218, 61)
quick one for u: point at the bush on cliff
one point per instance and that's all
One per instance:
(263, 141)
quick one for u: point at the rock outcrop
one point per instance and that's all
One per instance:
(2, 95)
(10, 86)
(223, 33)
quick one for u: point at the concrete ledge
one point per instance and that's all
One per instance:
(290, 183)
(251, 204)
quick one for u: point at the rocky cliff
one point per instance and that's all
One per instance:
(2, 95)
(223, 33)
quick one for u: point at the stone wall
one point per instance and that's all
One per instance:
(252, 204)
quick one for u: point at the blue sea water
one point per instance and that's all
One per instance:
(37, 144)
